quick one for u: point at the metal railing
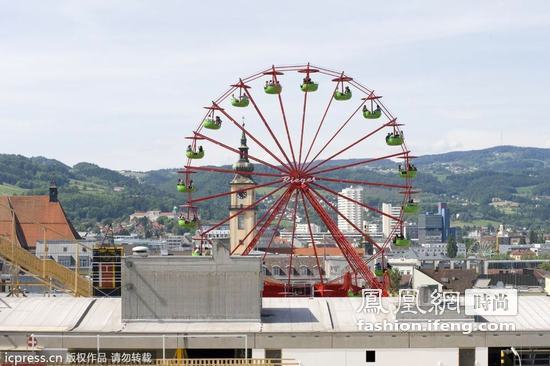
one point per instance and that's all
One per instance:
(44, 268)
(228, 362)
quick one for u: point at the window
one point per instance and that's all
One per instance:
(273, 354)
(65, 249)
(84, 261)
(304, 271)
(277, 271)
(65, 260)
(240, 222)
(371, 356)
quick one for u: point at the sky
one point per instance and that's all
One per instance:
(122, 83)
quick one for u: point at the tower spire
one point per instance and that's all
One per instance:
(243, 166)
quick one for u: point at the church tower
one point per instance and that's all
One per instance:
(241, 225)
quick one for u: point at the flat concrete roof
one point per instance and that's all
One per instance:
(286, 322)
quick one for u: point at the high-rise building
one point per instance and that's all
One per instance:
(387, 222)
(430, 228)
(443, 210)
(351, 210)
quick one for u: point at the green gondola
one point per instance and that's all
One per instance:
(411, 207)
(184, 188)
(394, 140)
(378, 272)
(309, 87)
(211, 124)
(194, 154)
(186, 224)
(352, 293)
(338, 95)
(401, 242)
(407, 173)
(243, 101)
(377, 113)
(273, 88)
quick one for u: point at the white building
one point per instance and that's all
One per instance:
(65, 253)
(371, 228)
(304, 228)
(388, 223)
(220, 233)
(351, 210)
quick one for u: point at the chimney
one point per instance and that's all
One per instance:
(53, 191)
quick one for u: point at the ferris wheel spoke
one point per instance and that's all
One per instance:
(263, 222)
(312, 238)
(248, 134)
(350, 145)
(286, 128)
(335, 209)
(363, 182)
(260, 114)
(302, 130)
(290, 269)
(355, 261)
(277, 226)
(362, 162)
(336, 134)
(190, 168)
(236, 151)
(252, 205)
(370, 208)
(218, 195)
(321, 122)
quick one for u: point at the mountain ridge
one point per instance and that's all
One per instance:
(470, 180)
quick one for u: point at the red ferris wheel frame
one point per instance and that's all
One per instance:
(299, 175)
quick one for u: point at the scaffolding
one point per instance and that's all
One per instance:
(46, 271)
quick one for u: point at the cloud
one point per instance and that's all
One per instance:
(133, 76)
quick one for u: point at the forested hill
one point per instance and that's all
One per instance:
(470, 181)
(88, 192)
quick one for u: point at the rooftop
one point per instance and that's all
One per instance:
(453, 279)
(287, 315)
(32, 215)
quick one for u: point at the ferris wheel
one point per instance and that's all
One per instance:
(292, 172)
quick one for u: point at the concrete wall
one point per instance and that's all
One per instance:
(215, 287)
(383, 357)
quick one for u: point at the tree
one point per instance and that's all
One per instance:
(469, 245)
(533, 237)
(452, 248)
(544, 266)
(395, 280)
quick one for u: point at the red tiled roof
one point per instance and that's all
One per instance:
(309, 251)
(330, 251)
(33, 214)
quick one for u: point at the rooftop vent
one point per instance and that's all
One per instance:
(140, 251)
